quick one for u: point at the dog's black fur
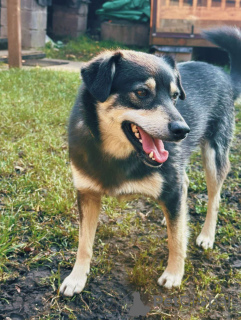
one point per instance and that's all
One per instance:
(208, 110)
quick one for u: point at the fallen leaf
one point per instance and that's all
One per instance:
(18, 289)
(28, 249)
(142, 215)
(19, 169)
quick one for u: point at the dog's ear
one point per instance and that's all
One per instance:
(98, 75)
(172, 63)
(170, 60)
(180, 87)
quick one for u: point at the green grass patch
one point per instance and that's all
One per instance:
(84, 48)
(36, 192)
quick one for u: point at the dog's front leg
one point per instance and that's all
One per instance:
(89, 208)
(175, 211)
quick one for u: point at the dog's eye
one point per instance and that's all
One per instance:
(175, 95)
(142, 93)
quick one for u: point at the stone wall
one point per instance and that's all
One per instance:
(70, 21)
(33, 20)
(3, 19)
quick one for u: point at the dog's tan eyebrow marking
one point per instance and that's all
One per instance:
(109, 103)
(151, 83)
(173, 88)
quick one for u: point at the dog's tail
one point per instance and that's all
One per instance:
(229, 39)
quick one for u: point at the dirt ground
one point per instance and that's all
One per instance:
(111, 296)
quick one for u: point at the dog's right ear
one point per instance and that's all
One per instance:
(98, 75)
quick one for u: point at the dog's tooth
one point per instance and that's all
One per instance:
(151, 154)
(153, 159)
(140, 140)
(137, 134)
(134, 128)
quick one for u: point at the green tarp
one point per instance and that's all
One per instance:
(134, 10)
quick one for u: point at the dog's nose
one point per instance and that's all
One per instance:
(179, 129)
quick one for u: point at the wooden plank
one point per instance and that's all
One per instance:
(14, 34)
(151, 17)
(201, 13)
(181, 42)
(185, 26)
(209, 4)
(158, 14)
(194, 5)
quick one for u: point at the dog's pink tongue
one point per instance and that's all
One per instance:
(150, 144)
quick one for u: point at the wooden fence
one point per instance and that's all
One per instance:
(184, 19)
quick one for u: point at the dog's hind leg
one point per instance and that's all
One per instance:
(216, 165)
(175, 211)
(89, 208)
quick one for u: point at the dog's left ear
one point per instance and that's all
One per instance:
(172, 63)
(98, 75)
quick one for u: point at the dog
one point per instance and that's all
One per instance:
(136, 121)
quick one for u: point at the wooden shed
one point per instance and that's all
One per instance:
(179, 22)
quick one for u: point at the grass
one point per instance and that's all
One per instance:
(38, 222)
(84, 48)
(34, 112)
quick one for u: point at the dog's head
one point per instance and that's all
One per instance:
(135, 96)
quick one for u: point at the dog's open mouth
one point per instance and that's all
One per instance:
(151, 150)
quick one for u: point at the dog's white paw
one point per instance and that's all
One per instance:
(164, 222)
(205, 241)
(170, 279)
(74, 283)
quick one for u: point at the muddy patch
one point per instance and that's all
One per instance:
(111, 290)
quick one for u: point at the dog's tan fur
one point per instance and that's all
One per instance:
(90, 207)
(83, 182)
(214, 185)
(177, 243)
(173, 88)
(150, 186)
(114, 141)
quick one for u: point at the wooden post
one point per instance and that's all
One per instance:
(209, 4)
(194, 5)
(223, 4)
(14, 34)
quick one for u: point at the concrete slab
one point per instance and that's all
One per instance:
(45, 63)
(72, 66)
(26, 54)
